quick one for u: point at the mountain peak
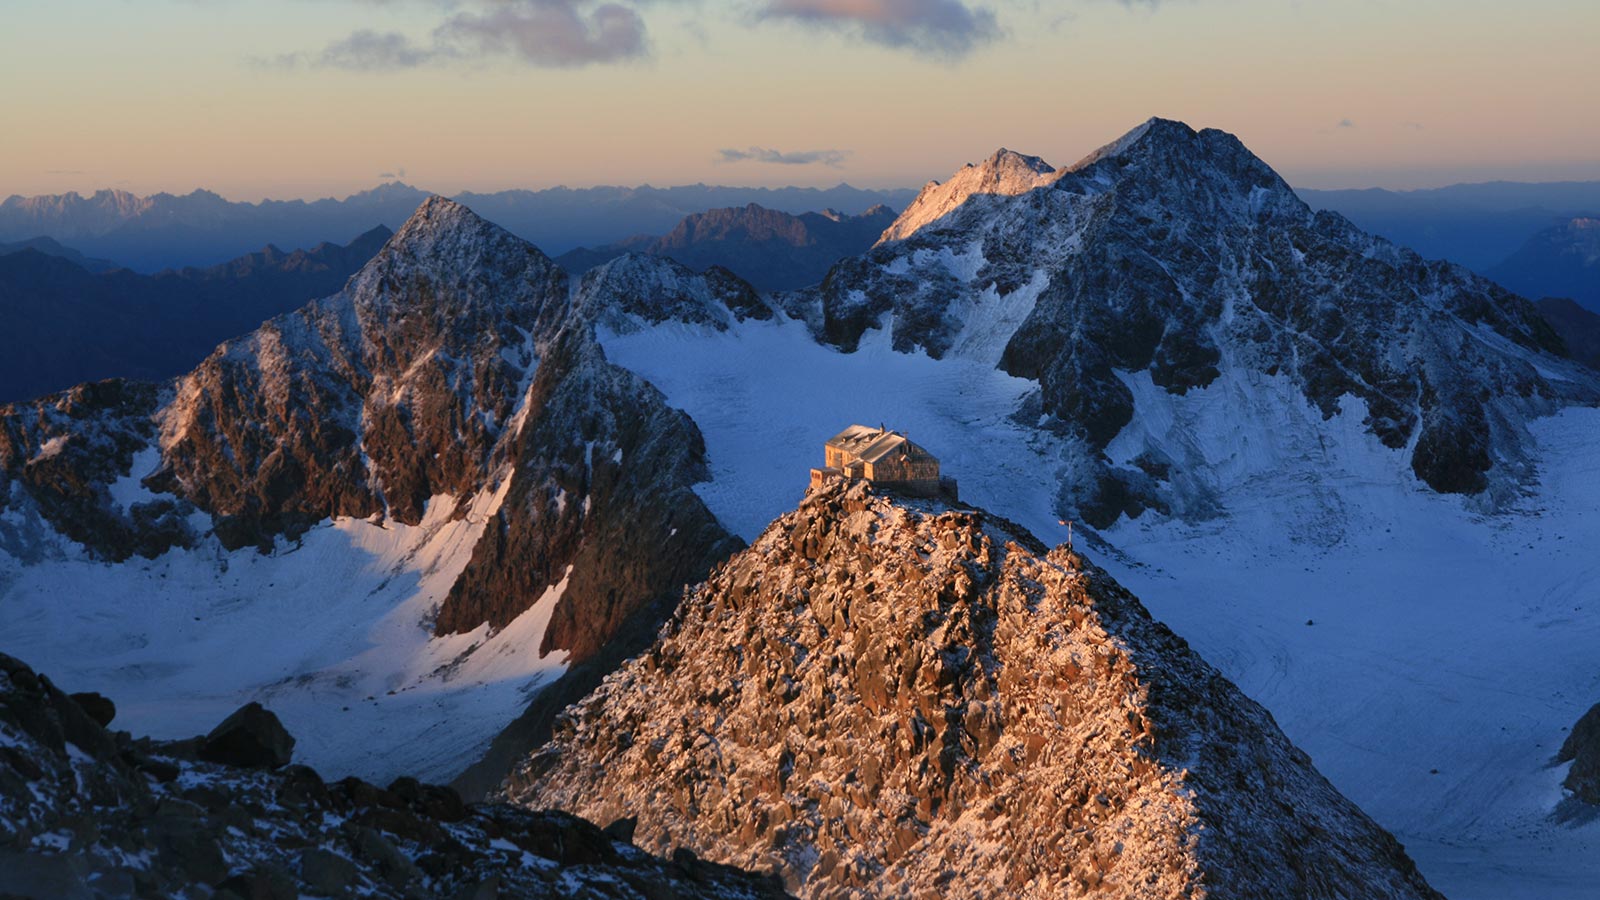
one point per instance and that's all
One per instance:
(1005, 173)
(1009, 161)
(440, 221)
(1153, 129)
(894, 686)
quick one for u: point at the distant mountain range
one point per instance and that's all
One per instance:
(67, 324)
(771, 249)
(53, 247)
(202, 228)
(1561, 261)
(1579, 328)
(1475, 225)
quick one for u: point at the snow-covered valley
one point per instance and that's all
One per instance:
(330, 632)
(1446, 652)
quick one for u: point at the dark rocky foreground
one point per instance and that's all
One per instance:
(897, 698)
(86, 812)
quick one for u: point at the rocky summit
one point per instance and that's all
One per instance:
(886, 697)
(87, 813)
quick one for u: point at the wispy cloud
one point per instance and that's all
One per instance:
(549, 33)
(1346, 123)
(562, 33)
(831, 158)
(948, 28)
(372, 51)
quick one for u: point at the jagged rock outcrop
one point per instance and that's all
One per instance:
(59, 456)
(1180, 255)
(1582, 749)
(897, 698)
(89, 813)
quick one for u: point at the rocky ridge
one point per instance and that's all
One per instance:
(897, 698)
(86, 812)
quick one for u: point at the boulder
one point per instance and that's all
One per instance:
(98, 706)
(251, 738)
(1582, 749)
(325, 872)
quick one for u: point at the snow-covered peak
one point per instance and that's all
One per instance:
(1005, 174)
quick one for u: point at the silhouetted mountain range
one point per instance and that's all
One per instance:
(53, 247)
(66, 324)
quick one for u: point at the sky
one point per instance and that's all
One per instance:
(311, 98)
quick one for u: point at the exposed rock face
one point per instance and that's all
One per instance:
(1180, 254)
(600, 502)
(896, 698)
(87, 813)
(1582, 749)
(375, 399)
(59, 456)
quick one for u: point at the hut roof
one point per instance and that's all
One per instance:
(875, 444)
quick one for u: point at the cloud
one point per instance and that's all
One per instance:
(1346, 123)
(372, 51)
(830, 158)
(948, 28)
(560, 33)
(550, 33)
(391, 176)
